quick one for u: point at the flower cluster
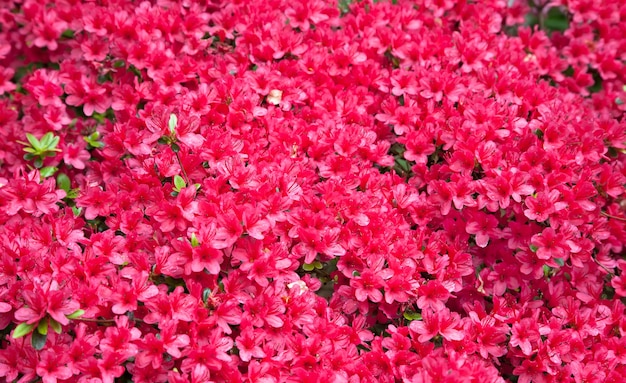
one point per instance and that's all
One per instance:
(196, 191)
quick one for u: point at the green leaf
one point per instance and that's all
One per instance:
(73, 193)
(22, 329)
(98, 117)
(51, 152)
(48, 171)
(556, 20)
(34, 142)
(179, 183)
(46, 140)
(194, 240)
(318, 265)
(308, 267)
(42, 327)
(68, 34)
(76, 314)
(533, 248)
(63, 182)
(410, 315)
(559, 261)
(77, 210)
(547, 271)
(172, 123)
(397, 149)
(49, 142)
(38, 163)
(402, 166)
(164, 140)
(205, 294)
(175, 148)
(92, 140)
(56, 326)
(38, 340)
(344, 6)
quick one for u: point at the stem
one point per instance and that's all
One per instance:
(180, 163)
(612, 216)
(602, 266)
(539, 12)
(96, 320)
(105, 321)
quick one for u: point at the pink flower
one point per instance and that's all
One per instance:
(368, 285)
(91, 96)
(432, 295)
(248, 346)
(541, 207)
(76, 156)
(5, 80)
(47, 299)
(96, 202)
(434, 323)
(51, 367)
(525, 334)
(550, 244)
(347, 169)
(49, 30)
(482, 226)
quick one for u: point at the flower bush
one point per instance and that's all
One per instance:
(312, 191)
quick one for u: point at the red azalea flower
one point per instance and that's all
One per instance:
(43, 300)
(51, 367)
(433, 323)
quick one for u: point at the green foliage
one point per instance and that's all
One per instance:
(48, 171)
(179, 183)
(23, 329)
(172, 124)
(76, 314)
(63, 182)
(559, 261)
(38, 340)
(67, 34)
(344, 6)
(316, 265)
(402, 167)
(55, 326)
(206, 293)
(42, 327)
(38, 150)
(411, 315)
(597, 81)
(94, 140)
(194, 240)
(556, 19)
